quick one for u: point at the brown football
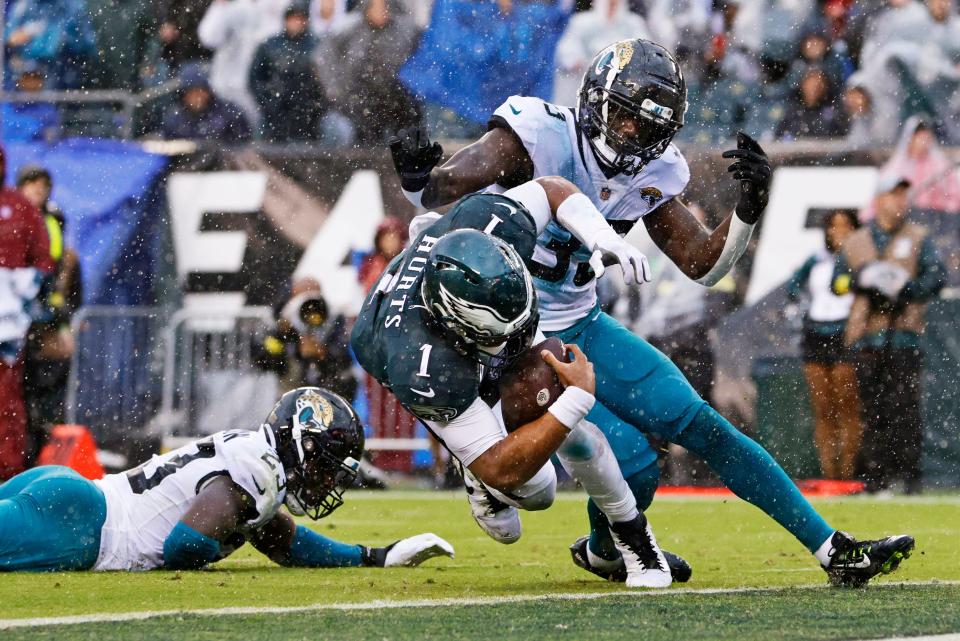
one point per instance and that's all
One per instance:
(530, 386)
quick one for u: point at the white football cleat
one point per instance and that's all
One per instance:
(413, 551)
(500, 521)
(645, 563)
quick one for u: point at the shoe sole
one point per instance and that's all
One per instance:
(897, 557)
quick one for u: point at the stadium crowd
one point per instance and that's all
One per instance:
(352, 71)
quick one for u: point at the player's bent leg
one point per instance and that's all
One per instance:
(753, 475)
(51, 522)
(536, 494)
(635, 381)
(587, 456)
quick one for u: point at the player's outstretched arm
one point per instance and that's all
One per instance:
(213, 516)
(514, 460)
(706, 256)
(497, 157)
(292, 545)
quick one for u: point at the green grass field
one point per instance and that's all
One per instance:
(529, 590)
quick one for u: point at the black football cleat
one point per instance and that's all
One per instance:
(680, 570)
(853, 563)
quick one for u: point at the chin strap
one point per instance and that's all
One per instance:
(738, 237)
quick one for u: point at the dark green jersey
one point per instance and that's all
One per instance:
(395, 338)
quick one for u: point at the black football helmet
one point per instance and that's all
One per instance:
(637, 79)
(477, 289)
(319, 441)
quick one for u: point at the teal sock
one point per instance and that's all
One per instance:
(753, 475)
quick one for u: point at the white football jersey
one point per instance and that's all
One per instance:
(550, 135)
(145, 503)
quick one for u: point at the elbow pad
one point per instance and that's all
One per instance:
(738, 237)
(187, 549)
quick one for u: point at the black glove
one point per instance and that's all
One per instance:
(414, 157)
(752, 169)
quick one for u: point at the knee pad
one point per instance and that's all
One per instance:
(536, 494)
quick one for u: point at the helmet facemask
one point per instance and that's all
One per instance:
(318, 453)
(490, 329)
(605, 110)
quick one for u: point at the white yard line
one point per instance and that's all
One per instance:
(6, 624)
(928, 637)
(577, 496)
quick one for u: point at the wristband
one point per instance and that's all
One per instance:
(414, 197)
(738, 237)
(572, 406)
(580, 217)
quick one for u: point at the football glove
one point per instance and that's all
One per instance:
(752, 168)
(414, 157)
(610, 249)
(409, 552)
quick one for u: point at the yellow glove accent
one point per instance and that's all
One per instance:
(842, 284)
(273, 345)
(56, 300)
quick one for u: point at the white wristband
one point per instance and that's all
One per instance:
(738, 237)
(580, 217)
(414, 197)
(572, 406)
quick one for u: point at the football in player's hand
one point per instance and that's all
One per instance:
(530, 386)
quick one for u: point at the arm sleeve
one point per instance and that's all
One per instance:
(931, 275)
(471, 433)
(532, 196)
(799, 279)
(186, 549)
(311, 550)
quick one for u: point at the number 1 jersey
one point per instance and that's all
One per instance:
(565, 283)
(145, 503)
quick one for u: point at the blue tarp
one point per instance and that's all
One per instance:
(108, 192)
(473, 57)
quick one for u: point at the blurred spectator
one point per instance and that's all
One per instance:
(733, 45)
(476, 54)
(125, 31)
(359, 70)
(389, 241)
(681, 26)
(24, 262)
(919, 159)
(56, 34)
(816, 50)
(330, 17)
(893, 270)
(50, 344)
(199, 115)
(233, 29)
(812, 114)
(587, 33)
(310, 345)
(827, 363)
(284, 81)
(909, 62)
(863, 131)
(177, 34)
(902, 21)
(29, 120)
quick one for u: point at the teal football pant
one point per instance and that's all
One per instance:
(50, 520)
(642, 387)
